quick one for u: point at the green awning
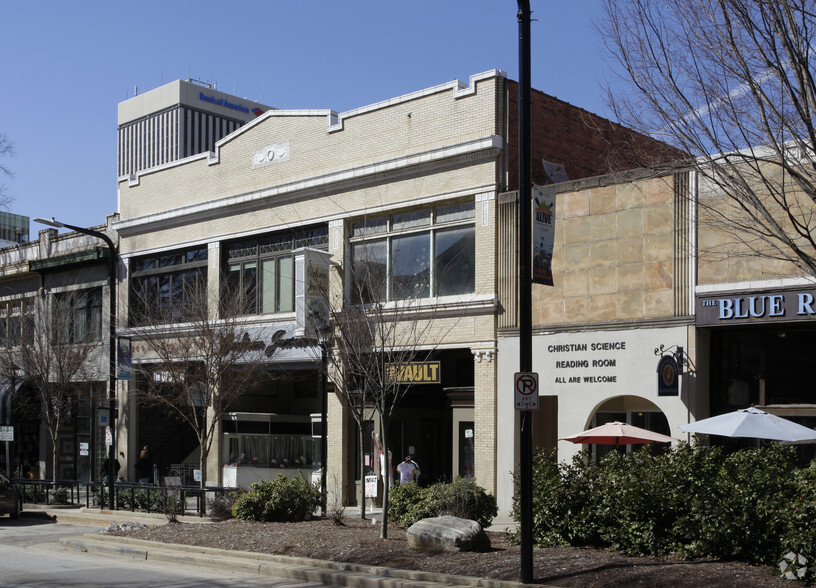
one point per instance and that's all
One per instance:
(69, 260)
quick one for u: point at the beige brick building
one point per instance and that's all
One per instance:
(409, 188)
(645, 268)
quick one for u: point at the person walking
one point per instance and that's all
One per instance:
(144, 466)
(408, 471)
(106, 469)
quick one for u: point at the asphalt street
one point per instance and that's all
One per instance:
(31, 555)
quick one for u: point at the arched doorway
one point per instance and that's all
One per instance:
(635, 410)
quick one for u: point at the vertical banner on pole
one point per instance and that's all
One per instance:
(543, 234)
(124, 359)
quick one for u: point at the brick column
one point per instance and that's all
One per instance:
(484, 403)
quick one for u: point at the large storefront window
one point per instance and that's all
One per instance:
(425, 253)
(767, 366)
(268, 440)
(763, 366)
(270, 451)
(165, 286)
(260, 273)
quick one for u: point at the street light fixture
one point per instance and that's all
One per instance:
(112, 259)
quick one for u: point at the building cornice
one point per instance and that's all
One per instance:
(467, 152)
(651, 323)
(755, 286)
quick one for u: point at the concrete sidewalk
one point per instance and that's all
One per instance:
(293, 568)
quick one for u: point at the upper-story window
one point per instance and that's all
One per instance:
(16, 322)
(418, 254)
(77, 315)
(168, 286)
(260, 272)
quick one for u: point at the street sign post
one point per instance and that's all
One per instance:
(526, 387)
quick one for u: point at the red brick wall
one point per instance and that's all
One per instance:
(586, 144)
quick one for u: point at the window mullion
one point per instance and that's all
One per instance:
(389, 280)
(432, 263)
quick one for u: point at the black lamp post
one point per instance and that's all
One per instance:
(112, 259)
(525, 290)
(324, 339)
(13, 369)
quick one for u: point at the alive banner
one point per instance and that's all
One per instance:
(543, 234)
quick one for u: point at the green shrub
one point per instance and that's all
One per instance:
(740, 511)
(800, 520)
(565, 497)
(59, 495)
(406, 505)
(282, 499)
(461, 498)
(751, 505)
(33, 493)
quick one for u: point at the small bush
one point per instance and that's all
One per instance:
(335, 510)
(32, 493)
(59, 495)
(282, 499)
(220, 505)
(462, 498)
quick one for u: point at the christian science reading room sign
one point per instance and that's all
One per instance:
(572, 366)
(778, 306)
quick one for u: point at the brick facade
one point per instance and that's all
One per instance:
(447, 144)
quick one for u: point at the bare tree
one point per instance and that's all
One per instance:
(730, 82)
(53, 352)
(6, 150)
(384, 327)
(203, 360)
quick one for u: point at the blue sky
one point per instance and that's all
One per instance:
(68, 64)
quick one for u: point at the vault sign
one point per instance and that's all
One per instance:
(526, 387)
(414, 372)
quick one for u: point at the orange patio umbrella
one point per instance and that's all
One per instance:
(617, 433)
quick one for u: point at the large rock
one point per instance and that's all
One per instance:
(447, 534)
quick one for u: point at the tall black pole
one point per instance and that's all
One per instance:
(525, 291)
(324, 401)
(112, 259)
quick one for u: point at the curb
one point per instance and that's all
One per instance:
(93, 516)
(293, 568)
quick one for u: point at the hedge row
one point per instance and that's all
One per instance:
(753, 505)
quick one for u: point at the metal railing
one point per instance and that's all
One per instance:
(50, 491)
(168, 499)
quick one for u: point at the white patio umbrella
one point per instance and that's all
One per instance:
(753, 424)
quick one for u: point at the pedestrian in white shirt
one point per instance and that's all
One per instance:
(408, 471)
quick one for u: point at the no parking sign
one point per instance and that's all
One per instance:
(526, 386)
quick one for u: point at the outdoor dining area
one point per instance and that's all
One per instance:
(697, 499)
(747, 423)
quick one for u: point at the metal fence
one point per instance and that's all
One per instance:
(185, 471)
(50, 491)
(172, 499)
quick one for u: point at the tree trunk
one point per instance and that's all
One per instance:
(54, 460)
(360, 429)
(386, 477)
(202, 464)
(53, 431)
